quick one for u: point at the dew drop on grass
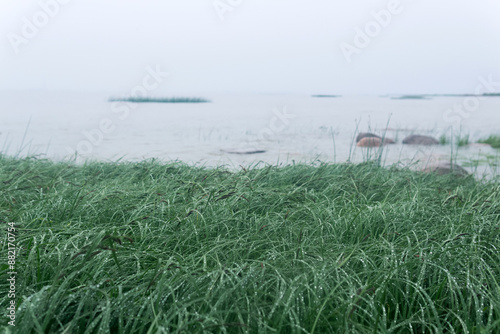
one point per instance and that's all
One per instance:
(34, 299)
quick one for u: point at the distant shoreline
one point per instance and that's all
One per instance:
(429, 96)
(159, 99)
(332, 96)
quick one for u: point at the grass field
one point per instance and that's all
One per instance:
(169, 248)
(494, 141)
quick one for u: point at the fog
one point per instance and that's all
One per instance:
(257, 46)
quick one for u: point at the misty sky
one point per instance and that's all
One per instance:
(252, 46)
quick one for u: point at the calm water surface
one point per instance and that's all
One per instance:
(289, 128)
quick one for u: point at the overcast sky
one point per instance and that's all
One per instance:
(253, 46)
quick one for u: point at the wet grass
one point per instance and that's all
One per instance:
(443, 140)
(169, 248)
(458, 140)
(463, 140)
(493, 141)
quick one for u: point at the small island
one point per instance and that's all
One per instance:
(326, 96)
(159, 99)
(410, 97)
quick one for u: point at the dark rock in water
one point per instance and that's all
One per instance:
(420, 140)
(249, 151)
(370, 142)
(446, 168)
(362, 135)
(365, 135)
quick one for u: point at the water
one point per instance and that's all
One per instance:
(289, 128)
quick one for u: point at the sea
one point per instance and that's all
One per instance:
(244, 130)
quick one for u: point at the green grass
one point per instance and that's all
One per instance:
(160, 99)
(462, 140)
(443, 140)
(458, 140)
(168, 248)
(493, 141)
